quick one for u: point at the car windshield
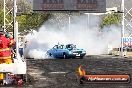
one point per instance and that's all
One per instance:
(70, 46)
(61, 46)
(55, 47)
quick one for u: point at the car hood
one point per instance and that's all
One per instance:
(77, 49)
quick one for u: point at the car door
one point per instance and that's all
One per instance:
(60, 51)
(54, 51)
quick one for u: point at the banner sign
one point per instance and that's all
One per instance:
(127, 41)
(90, 6)
(107, 78)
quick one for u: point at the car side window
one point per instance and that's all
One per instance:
(55, 47)
(60, 47)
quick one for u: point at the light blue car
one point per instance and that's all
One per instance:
(66, 51)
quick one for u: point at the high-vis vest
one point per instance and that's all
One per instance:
(12, 42)
(5, 51)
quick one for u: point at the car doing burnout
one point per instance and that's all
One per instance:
(66, 51)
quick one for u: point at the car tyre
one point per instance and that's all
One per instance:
(51, 55)
(64, 55)
(81, 57)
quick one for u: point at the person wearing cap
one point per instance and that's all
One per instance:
(8, 35)
(5, 52)
(13, 43)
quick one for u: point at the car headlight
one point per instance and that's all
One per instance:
(83, 51)
(70, 52)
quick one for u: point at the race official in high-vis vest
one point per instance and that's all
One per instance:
(13, 44)
(5, 51)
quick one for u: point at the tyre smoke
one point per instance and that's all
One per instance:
(83, 33)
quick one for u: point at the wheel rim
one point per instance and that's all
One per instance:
(64, 56)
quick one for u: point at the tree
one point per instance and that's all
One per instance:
(23, 6)
(9, 5)
(31, 21)
(9, 17)
(110, 19)
(1, 17)
(27, 20)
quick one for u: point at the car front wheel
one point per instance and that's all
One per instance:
(81, 57)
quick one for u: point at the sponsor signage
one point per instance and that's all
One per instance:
(108, 78)
(100, 78)
(127, 41)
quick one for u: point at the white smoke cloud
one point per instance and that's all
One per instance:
(86, 37)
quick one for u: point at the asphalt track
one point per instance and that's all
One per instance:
(61, 73)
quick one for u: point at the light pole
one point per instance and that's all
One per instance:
(123, 27)
(15, 28)
(14, 17)
(4, 14)
(88, 18)
(69, 21)
(88, 21)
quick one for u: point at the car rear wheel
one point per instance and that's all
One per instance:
(64, 55)
(51, 55)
